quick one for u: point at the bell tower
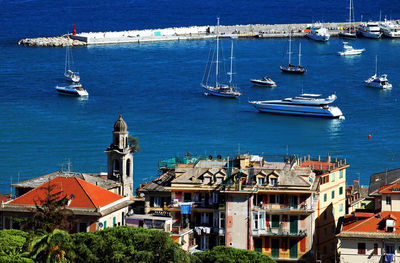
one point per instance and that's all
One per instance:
(120, 158)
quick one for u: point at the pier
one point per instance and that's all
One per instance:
(185, 33)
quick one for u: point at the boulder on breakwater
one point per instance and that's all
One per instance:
(60, 41)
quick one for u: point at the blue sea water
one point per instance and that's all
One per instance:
(155, 86)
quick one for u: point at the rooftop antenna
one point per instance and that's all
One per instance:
(287, 149)
(11, 190)
(238, 148)
(386, 177)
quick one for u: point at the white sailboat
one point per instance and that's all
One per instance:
(220, 90)
(376, 81)
(68, 72)
(351, 32)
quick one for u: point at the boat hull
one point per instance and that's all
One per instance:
(312, 111)
(72, 91)
(368, 34)
(293, 70)
(220, 92)
(260, 82)
(320, 38)
(347, 35)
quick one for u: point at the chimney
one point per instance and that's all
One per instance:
(319, 158)
(328, 158)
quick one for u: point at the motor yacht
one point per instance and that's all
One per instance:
(318, 33)
(265, 81)
(72, 90)
(380, 82)
(349, 50)
(369, 30)
(304, 105)
(389, 29)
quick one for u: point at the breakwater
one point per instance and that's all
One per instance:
(184, 33)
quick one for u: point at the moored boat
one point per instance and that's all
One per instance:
(304, 105)
(369, 30)
(318, 33)
(389, 29)
(378, 81)
(290, 68)
(263, 82)
(350, 32)
(72, 90)
(68, 72)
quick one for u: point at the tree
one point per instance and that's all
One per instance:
(133, 143)
(12, 246)
(51, 212)
(57, 246)
(221, 254)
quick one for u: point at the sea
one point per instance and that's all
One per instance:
(156, 88)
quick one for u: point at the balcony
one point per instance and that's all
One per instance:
(281, 231)
(285, 209)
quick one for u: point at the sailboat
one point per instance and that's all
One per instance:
(351, 32)
(220, 90)
(380, 82)
(68, 72)
(292, 68)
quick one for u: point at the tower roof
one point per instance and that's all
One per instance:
(120, 125)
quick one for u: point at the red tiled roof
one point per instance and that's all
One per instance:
(4, 198)
(373, 224)
(388, 189)
(362, 214)
(86, 195)
(317, 164)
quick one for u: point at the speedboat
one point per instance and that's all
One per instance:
(389, 29)
(263, 82)
(318, 33)
(370, 30)
(349, 50)
(72, 90)
(304, 105)
(380, 82)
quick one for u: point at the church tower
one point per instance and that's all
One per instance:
(120, 159)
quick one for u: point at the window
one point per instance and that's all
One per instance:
(340, 207)
(388, 200)
(325, 197)
(157, 201)
(255, 220)
(341, 174)
(332, 177)
(341, 190)
(105, 224)
(325, 232)
(187, 197)
(261, 181)
(361, 248)
(261, 220)
(114, 221)
(273, 181)
(273, 199)
(375, 248)
(333, 194)
(82, 227)
(275, 221)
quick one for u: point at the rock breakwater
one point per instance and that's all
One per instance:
(60, 41)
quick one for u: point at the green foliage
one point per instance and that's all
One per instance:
(133, 143)
(12, 244)
(222, 254)
(128, 244)
(53, 247)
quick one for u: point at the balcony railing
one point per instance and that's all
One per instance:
(285, 208)
(281, 231)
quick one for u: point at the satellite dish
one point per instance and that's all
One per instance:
(100, 224)
(141, 194)
(72, 197)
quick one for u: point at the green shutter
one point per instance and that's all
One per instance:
(114, 221)
(105, 224)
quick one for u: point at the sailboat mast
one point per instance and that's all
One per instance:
(290, 46)
(350, 9)
(299, 54)
(231, 72)
(66, 60)
(376, 65)
(216, 62)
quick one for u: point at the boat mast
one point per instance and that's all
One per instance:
(66, 60)
(376, 65)
(350, 11)
(290, 45)
(299, 54)
(231, 72)
(216, 62)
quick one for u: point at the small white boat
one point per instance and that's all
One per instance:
(390, 29)
(304, 105)
(72, 90)
(369, 30)
(349, 50)
(318, 33)
(263, 82)
(68, 72)
(376, 81)
(220, 90)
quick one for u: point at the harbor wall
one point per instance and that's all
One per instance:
(186, 33)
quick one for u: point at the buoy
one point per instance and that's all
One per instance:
(369, 136)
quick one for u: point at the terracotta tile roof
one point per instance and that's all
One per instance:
(4, 198)
(388, 189)
(374, 224)
(86, 195)
(318, 164)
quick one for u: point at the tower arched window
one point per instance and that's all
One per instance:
(116, 168)
(128, 167)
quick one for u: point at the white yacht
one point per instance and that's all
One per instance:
(389, 29)
(376, 81)
(370, 30)
(263, 82)
(305, 105)
(318, 33)
(349, 50)
(72, 90)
